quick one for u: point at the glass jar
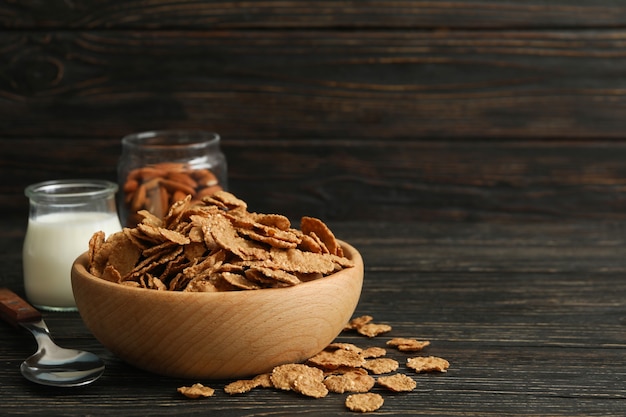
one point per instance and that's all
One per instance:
(159, 168)
(63, 216)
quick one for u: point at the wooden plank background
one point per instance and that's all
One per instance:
(404, 110)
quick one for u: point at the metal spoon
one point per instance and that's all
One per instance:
(51, 364)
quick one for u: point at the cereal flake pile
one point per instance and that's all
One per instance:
(342, 368)
(216, 244)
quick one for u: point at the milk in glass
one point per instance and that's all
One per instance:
(52, 244)
(63, 217)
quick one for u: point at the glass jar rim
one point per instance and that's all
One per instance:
(70, 190)
(160, 139)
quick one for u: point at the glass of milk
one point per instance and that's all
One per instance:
(64, 215)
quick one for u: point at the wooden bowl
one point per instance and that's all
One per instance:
(217, 335)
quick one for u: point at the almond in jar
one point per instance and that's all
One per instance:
(158, 168)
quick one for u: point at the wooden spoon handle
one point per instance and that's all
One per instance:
(15, 310)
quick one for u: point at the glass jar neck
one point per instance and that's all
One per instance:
(177, 144)
(71, 195)
(70, 191)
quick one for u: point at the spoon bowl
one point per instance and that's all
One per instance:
(50, 365)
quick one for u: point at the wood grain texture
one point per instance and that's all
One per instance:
(419, 110)
(499, 124)
(345, 180)
(530, 316)
(457, 125)
(313, 14)
(310, 84)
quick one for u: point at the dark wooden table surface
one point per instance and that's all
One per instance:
(532, 318)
